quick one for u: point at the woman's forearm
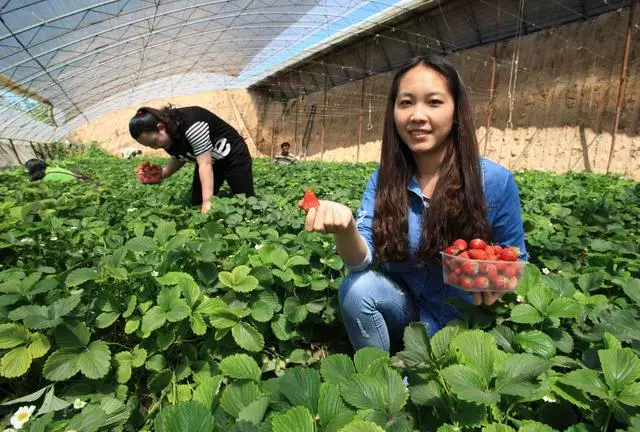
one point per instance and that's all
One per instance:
(205, 172)
(351, 246)
(171, 167)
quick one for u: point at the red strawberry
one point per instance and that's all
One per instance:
(458, 271)
(481, 282)
(512, 284)
(502, 266)
(470, 268)
(477, 254)
(478, 244)
(451, 279)
(489, 270)
(491, 256)
(509, 254)
(309, 201)
(511, 270)
(499, 283)
(496, 249)
(465, 282)
(464, 255)
(450, 250)
(460, 244)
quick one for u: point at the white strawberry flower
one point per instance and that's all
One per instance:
(549, 398)
(545, 271)
(78, 404)
(258, 247)
(154, 273)
(10, 430)
(519, 299)
(131, 209)
(53, 238)
(22, 416)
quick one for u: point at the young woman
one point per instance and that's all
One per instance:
(432, 187)
(194, 134)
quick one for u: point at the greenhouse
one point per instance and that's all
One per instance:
(319, 215)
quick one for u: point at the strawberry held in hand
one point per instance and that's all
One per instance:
(309, 201)
(149, 173)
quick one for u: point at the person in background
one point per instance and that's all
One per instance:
(130, 152)
(432, 187)
(194, 134)
(285, 157)
(38, 170)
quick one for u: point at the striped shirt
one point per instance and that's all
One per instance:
(201, 131)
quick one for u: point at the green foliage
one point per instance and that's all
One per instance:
(159, 318)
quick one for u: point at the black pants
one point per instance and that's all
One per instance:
(239, 177)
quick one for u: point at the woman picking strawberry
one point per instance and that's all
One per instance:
(196, 135)
(432, 187)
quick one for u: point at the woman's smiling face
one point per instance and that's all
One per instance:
(424, 110)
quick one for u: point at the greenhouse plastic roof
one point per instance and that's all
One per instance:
(84, 58)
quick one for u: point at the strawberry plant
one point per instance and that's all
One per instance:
(124, 309)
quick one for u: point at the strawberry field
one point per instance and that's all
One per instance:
(122, 309)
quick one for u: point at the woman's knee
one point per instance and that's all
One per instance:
(357, 285)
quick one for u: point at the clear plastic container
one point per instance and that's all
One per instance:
(481, 275)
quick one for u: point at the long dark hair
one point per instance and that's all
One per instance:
(36, 168)
(457, 208)
(147, 119)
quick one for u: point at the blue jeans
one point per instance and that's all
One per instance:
(375, 309)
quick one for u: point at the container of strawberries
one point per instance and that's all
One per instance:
(480, 267)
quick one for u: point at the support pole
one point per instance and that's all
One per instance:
(273, 131)
(15, 152)
(364, 79)
(493, 82)
(623, 76)
(295, 126)
(324, 117)
(361, 119)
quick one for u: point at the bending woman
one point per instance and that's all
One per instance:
(194, 134)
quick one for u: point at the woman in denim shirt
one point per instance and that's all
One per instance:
(432, 187)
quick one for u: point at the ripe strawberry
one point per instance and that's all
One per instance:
(448, 263)
(499, 283)
(460, 244)
(451, 279)
(309, 201)
(491, 256)
(512, 284)
(477, 254)
(478, 244)
(502, 266)
(511, 270)
(464, 255)
(465, 282)
(488, 270)
(458, 271)
(450, 250)
(509, 254)
(481, 282)
(470, 268)
(496, 249)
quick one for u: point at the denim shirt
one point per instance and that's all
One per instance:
(426, 282)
